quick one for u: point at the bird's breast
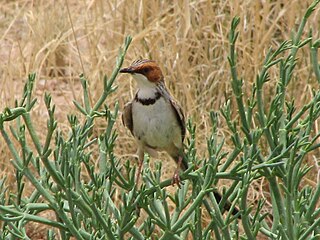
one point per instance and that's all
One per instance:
(155, 124)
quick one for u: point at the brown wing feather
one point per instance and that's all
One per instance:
(180, 117)
(127, 116)
(181, 121)
(182, 124)
(178, 110)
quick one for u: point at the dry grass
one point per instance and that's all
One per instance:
(189, 40)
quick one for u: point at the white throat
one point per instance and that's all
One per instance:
(146, 89)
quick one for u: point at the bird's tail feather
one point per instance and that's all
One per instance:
(227, 205)
(217, 195)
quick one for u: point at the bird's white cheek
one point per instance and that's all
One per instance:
(142, 81)
(146, 88)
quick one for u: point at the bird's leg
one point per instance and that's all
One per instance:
(140, 163)
(176, 176)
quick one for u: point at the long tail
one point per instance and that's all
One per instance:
(217, 195)
(227, 205)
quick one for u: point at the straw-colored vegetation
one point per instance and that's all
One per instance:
(189, 39)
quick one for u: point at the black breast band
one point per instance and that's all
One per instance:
(148, 101)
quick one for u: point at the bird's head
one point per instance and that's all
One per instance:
(146, 72)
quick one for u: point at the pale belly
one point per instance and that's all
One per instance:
(156, 125)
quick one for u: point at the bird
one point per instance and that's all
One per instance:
(156, 120)
(154, 117)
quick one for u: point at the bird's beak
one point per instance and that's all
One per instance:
(127, 70)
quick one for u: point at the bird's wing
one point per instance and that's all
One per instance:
(177, 109)
(180, 116)
(127, 116)
(181, 121)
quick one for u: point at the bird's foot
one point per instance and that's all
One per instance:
(176, 179)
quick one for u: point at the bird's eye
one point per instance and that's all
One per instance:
(146, 70)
